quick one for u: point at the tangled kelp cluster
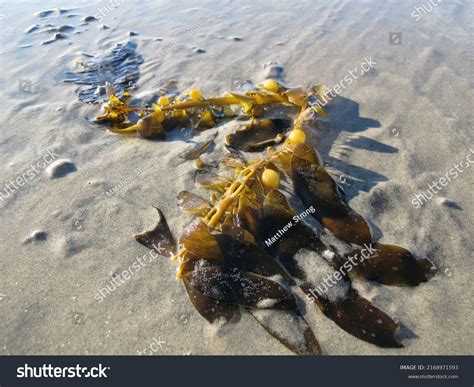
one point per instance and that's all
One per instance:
(193, 110)
(225, 259)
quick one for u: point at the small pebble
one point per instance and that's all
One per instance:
(235, 38)
(104, 27)
(132, 33)
(95, 183)
(199, 50)
(88, 19)
(37, 235)
(100, 90)
(60, 168)
(273, 70)
(443, 201)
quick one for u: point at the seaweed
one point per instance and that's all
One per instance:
(238, 287)
(193, 203)
(258, 135)
(198, 150)
(159, 238)
(392, 265)
(193, 110)
(210, 180)
(360, 318)
(211, 309)
(234, 255)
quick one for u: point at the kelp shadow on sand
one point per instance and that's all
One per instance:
(344, 134)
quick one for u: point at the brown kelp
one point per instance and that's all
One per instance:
(192, 109)
(247, 249)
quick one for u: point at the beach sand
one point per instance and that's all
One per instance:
(388, 135)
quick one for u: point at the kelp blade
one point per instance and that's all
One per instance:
(237, 233)
(199, 242)
(237, 287)
(193, 203)
(198, 150)
(211, 309)
(390, 265)
(316, 188)
(206, 120)
(360, 318)
(160, 238)
(258, 135)
(249, 258)
(249, 214)
(278, 215)
(210, 180)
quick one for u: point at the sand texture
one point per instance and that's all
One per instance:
(389, 134)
